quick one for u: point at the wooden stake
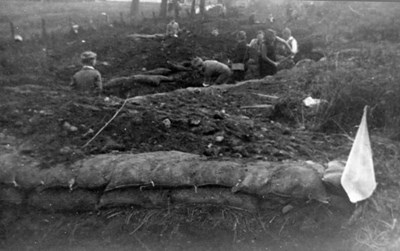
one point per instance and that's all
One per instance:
(12, 29)
(121, 17)
(154, 18)
(263, 106)
(44, 30)
(266, 96)
(53, 40)
(107, 19)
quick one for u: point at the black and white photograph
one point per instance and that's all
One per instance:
(204, 125)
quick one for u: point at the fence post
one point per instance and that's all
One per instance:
(154, 18)
(53, 40)
(107, 19)
(121, 16)
(12, 29)
(44, 31)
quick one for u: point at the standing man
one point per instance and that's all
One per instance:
(88, 79)
(289, 41)
(254, 53)
(267, 60)
(240, 57)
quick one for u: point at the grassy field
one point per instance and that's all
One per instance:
(27, 16)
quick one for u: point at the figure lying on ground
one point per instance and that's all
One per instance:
(214, 71)
(88, 79)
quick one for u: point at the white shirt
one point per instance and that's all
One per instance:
(293, 44)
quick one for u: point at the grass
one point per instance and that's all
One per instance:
(349, 83)
(206, 227)
(27, 15)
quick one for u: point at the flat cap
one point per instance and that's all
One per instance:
(88, 55)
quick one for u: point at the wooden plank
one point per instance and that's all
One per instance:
(266, 96)
(262, 106)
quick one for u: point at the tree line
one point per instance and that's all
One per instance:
(164, 7)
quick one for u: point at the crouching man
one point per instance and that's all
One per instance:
(214, 71)
(88, 79)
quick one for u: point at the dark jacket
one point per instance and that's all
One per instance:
(241, 53)
(266, 68)
(87, 79)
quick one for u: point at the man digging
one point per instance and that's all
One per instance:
(212, 70)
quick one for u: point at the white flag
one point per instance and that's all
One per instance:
(358, 178)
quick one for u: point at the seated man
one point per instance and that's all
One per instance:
(172, 28)
(212, 69)
(88, 79)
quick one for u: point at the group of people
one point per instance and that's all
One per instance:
(264, 59)
(258, 59)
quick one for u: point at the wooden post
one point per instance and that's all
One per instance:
(44, 30)
(121, 17)
(154, 18)
(53, 39)
(106, 19)
(12, 29)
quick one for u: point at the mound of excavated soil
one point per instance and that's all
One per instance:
(54, 124)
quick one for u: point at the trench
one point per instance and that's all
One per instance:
(135, 185)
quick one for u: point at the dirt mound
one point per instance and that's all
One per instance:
(215, 122)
